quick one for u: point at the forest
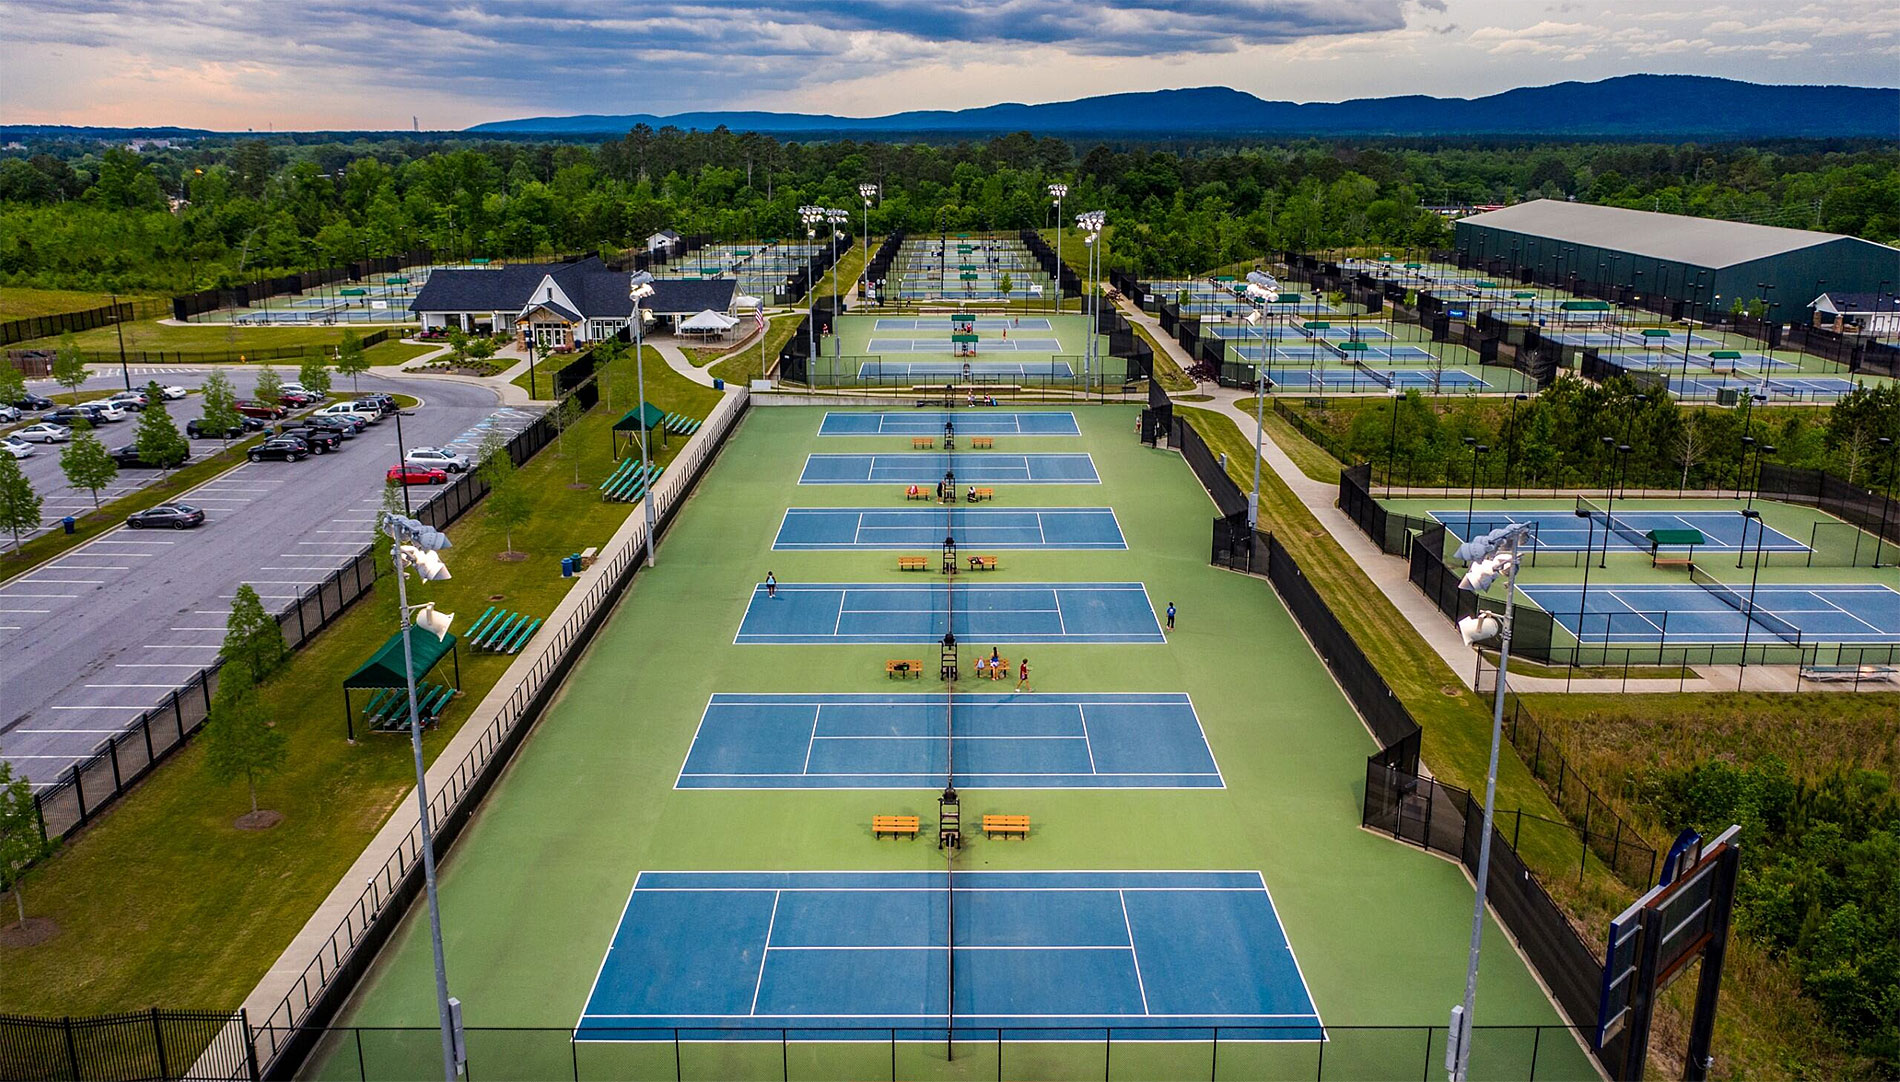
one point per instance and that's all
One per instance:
(169, 218)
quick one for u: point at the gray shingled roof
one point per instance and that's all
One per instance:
(1702, 242)
(599, 292)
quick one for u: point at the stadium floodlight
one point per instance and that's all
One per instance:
(429, 618)
(1057, 190)
(1486, 556)
(639, 288)
(1092, 222)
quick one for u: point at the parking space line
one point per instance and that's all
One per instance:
(108, 732)
(180, 646)
(26, 610)
(166, 686)
(134, 709)
(68, 582)
(155, 665)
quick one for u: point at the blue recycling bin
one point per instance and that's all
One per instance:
(69, 522)
(567, 567)
(719, 384)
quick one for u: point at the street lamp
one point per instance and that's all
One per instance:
(1749, 514)
(639, 288)
(1748, 510)
(1487, 557)
(1471, 492)
(1093, 222)
(1262, 288)
(810, 215)
(415, 546)
(867, 192)
(118, 324)
(1056, 192)
(836, 218)
(1583, 602)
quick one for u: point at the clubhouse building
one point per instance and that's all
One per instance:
(563, 305)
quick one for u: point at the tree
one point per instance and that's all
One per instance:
(253, 641)
(19, 504)
(270, 385)
(562, 417)
(86, 462)
(22, 842)
(314, 375)
(159, 441)
(509, 503)
(458, 346)
(1005, 283)
(12, 385)
(1690, 446)
(351, 360)
(240, 739)
(69, 365)
(219, 400)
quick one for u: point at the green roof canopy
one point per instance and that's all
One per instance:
(963, 338)
(1413, 266)
(1520, 295)
(630, 421)
(352, 291)
(396, 280)
(963, 317)
(1585, 306)
(1353, 346)
(1725, 355)
(1676, 537)
(479, 259)
(1655, 332)
(1316, 325)
(384, 667)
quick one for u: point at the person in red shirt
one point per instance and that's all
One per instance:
(1022, 677)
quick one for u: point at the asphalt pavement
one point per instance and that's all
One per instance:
(102, 633)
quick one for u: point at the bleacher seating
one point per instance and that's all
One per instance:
(629, 481)
(388, 709)
(501, 631)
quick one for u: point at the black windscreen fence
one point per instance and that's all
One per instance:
(1392, 532)
(1876, 512)
(1226, 494)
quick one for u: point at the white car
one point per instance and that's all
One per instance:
(109, 411)
(45, 432)
(439, 457)
(348, 409)
(9, 414)
(171, 392)
(17, 447)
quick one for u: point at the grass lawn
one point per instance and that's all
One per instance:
(544, 370)
(395, 352)
(1313, 460)
(1170, 374)
(746, 366)
(153, 336)
(17, 302)
(164, 901)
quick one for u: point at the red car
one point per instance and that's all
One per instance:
(417, 475)
(261, 410)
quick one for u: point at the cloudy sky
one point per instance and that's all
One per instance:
(372, 64)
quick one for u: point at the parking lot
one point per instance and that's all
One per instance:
(102, 633)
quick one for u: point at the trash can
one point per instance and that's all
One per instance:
(69, 522)
(567, 567)
(719, 384)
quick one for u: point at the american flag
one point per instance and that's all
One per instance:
(758, 317)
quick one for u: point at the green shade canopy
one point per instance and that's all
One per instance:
(1485, 285)
(353, 291)
(396, 280)
(966, 277)
(963, 317)
(1675, 537)
(384, 667)
(1225, 278)
(1655, 332)
(1316, 325)
(1585, 306)
(1413, 266)
(963, 338)
(1385, 259)
(1523, 295)
(1725, 355)
(630, 421)
(1351, 347)
(479, 259)
(1290, 298)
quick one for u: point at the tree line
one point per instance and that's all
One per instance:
(225, 210)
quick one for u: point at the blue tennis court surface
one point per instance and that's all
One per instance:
(1038, 612)
(1301, 350)
(968, 422)
(942, 345)
(1699, 362)
(978, 468)
(938, 371)
(897, 742)
(941, 324)
(1778, 386)
(1338, 333)
(1563, 531)
(1859, 613)
(754, 953)
(807, 528)
(1354, 379)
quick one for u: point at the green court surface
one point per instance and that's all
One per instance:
(850, 355)
(535, 888)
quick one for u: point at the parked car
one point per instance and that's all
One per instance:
(417, 475)
(106, 411)
(298, 399)
(128, 455)
(89, 413)
(298, 388)
(321, 440)
(198, 429)
(280, 448)
(346, 427)
(45, 432)
(17, 447)
(385, 404)
(268, 411)
(171, 392)
(136, 401)
(32, 403)
(177, 516)
(436, 456)
(9, 414)
(350, 409)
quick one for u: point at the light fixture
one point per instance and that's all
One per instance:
(427, 563)
(429, 618)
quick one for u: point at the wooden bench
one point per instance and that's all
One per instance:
(913, 563)
(922, 443)
(984, 493)
(982, 563)
(984, 670)
(901, 667)
(918, 492)
(893, 825)
(982, 443)
(588, 555)
(1684, 562)
(1006, 825)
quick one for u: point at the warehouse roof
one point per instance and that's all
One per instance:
(1702, 242)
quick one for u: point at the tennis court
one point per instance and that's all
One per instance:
(812, 614)
(978, 468)
(968, 423)
(754, 953)
(1341, 332)
(1743, 362)
(809, 529)
(1867, 614)
(1010, 741)
(1626, 338)
(943, 345)
(1359, 379)
(1300, 350)
(1777, 387)
(1563, 531)
(938, 371)
(983, 324)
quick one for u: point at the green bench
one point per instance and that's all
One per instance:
(501, 631)
(681, 425)
(631, 484)
(388, 709)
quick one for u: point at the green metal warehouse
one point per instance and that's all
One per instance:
(1643, 257)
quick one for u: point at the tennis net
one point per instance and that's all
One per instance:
(1377, 377)
(1733, 598)
(1609, 521)
(1333, 348)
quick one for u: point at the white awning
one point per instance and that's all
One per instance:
(743, 301)
(708, 320)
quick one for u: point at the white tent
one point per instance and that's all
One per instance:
(745, 303)
(707, 322)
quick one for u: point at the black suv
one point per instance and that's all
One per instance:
(320, 440)
(199, 429)
(128, 455)
(283, 448)
(342, 426)
(66, 415)
(382, 403)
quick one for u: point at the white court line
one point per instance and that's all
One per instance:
(1135, 954)
(769, 925)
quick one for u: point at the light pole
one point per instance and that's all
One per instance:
(415, 546)
(1583, 601)
(639, 288)
(1092, 222)
(867, 192)
(1749, 514)
(810, 216)
(1057, 192)
(836, 218)
(1392, 440)
(1748, 509)
(1471, 491)
(118, 324)
(1262, 288)
(1489, 556)
(532, 393)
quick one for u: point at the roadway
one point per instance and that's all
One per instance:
(102, 633)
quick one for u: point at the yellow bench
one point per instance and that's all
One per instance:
(982, 443)
(1673, 561)
(918, 492)
(900, 667)
(922, 443)
(986, 671)
(982, 563)
(893, 825)
(913, 563)
(984, 493)
(1006, 825)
